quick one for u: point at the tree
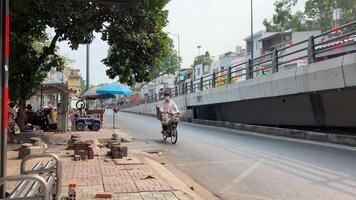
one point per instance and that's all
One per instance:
(284, 19)
(137, 42)
(169, 62)
(83, 87)
(319, 13)
(134, 33)
(204, 59)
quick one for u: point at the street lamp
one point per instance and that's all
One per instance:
(252, 30)
(178, 36)
(199, 48)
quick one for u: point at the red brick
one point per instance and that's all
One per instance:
(103, 195)
(73, 183)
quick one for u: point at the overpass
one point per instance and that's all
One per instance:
(321, 93)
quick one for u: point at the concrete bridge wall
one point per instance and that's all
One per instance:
(320, 94)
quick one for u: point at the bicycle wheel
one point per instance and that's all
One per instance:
(174, 134)
(165, 136)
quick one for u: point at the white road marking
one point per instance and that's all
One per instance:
(214, 162)
(242, 176)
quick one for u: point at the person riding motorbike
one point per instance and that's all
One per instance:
(167, 106)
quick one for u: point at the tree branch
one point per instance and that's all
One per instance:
(48, 50)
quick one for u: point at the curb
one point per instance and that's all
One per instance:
(274, 131)
(283, 132)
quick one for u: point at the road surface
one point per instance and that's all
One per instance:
(234, 165)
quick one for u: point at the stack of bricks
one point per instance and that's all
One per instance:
(28, 148)
(84, 150)
(118, 151)
(113, 140)
(73, 139)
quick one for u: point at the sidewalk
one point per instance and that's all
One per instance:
(136, 177)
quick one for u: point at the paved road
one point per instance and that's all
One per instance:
(234, 165)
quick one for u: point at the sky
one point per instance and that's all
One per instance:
(216, 25)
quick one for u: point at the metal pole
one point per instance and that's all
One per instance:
(88, 82)
(178, 46)
(252, 46)
(4, 93)
(113, 120)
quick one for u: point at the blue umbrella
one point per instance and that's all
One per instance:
(114, 88)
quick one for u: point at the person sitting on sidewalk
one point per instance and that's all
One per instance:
(167, 106)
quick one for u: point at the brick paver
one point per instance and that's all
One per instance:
(158, 196)
(119, 185)
(150, 185)
(126, 181)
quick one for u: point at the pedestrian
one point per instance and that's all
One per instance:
(21, 117)
(13, 110)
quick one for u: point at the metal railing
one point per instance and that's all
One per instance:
(311, 50)
(40, 182)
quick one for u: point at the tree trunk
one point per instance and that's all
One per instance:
(21, 115)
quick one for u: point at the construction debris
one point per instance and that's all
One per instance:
(27, 149)
(73, 139)
(72, 189)
(106, 195)
(117, 151)
(84, 150)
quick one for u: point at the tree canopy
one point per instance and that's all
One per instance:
(134, 34)
(204, 59)
(317, 15)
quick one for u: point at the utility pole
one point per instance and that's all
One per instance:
(88, 77)
(4, 89)
(252, 46)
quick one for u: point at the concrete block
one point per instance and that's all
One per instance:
(233, 92)
(322, 137)
(283, 82)
(342, 139)
(262, 129)
(349, 68)
(247, 89)
(295, 134)
(324, 75)
(276, 131)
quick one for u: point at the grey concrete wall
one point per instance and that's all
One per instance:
(320, 94)
(335, 73)
(150, 108)
(328, 108)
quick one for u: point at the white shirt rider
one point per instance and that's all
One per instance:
(168, 106)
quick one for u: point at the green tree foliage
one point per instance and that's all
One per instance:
(134, 33)
(168, 62)
(321, 12)
(318, 12)
(204, 59)
(284, 19)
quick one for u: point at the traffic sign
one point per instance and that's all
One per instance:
(115, 108)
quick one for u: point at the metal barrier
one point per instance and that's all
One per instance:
(43, 178)
(313, 49)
